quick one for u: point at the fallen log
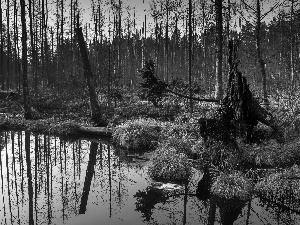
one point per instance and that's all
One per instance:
(101, 131)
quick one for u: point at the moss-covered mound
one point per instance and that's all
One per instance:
(137, 134)
(281, 186)
(232, 186)
(50, 126)
(169, 165)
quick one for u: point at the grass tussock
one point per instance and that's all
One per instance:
(282, 186)
(271, 153)
(137, 134)
(217, 154)
(232, 186)
(169, 165)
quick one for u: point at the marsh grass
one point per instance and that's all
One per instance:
(283, 186)
(167, 164)
(137, 134)
(49, 126)
(232, 186)
(136, 109)
(271, 153)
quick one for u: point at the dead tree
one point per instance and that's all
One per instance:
(241, 106)
(96, 115)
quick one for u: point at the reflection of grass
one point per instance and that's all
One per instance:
(232, 186)
(169, 165)
(137, 134)
(282, 186)
(146, 200)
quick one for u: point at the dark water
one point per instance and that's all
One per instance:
(45, 180)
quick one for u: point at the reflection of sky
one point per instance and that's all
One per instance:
(126, 180)
(106, 204)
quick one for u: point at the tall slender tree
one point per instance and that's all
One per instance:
(219, 50)
(292, 40)
(1, 49)
(8, 46)
(261, 62)
(27, 110)
(190, 56)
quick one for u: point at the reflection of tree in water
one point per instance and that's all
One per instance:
(147, 199)
(280, 213)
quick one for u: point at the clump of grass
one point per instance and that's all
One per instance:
(169, 165)
(232, 186)
(137, 134)
(217, 154)
(283, 186)
(180, 144)
(271, 154)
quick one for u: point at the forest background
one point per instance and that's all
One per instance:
(120, 38)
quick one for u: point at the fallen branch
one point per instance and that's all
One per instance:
(193, 98)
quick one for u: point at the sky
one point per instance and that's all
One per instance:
(141, 7)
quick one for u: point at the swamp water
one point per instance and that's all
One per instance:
(46, 180)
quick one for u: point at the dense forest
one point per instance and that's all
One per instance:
(117, 46)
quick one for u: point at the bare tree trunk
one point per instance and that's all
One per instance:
(292, 46)
(27, 111)
(1, 50)
(219, 44)
(190, 56)
(16, 58)
(259, 56)
(96, 115)
(46, 47)
(8, 48)
(33, 48)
